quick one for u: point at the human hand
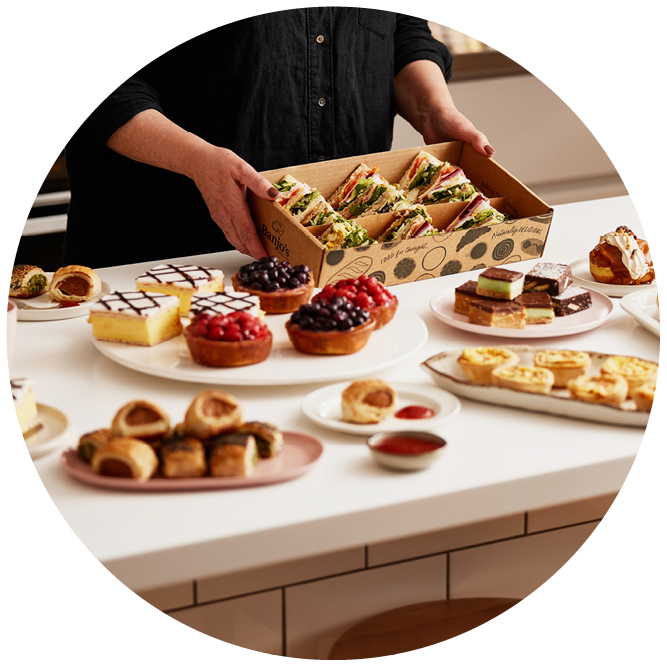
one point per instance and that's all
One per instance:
(223, 178)
(449, 124)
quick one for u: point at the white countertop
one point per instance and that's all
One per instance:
(498, 460)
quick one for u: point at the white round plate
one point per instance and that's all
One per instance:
(403, 336)
(442, 305)
(643, 307)
(46, 309)
(51, 436)
(324, 408)
(581, 275)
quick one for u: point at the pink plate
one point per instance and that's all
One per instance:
(299, 454)
(442, 305)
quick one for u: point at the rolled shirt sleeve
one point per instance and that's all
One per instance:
(129, 99)
(413, 41)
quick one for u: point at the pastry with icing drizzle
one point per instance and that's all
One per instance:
(181, 280)
(136, 317)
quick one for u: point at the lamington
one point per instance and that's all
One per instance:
(137, 318)
(181, 280)
(548, 277)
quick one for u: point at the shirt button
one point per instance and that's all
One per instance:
(321, 158)
(321, 101)
(320, 39)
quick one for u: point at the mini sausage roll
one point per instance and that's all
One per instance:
(74, 283)
(141, 419)
(368, 401)
(89, 443)
(268, 437)
(233, 455)
(183, 457)
(125, 457)
(27, 281)
(212, 412)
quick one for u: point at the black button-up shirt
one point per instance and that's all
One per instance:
(277, 89)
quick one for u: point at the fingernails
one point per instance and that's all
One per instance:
(489, 149)
(272, 192)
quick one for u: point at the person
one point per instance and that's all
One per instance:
(165, 162)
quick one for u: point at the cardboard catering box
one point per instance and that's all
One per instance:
(523, 237)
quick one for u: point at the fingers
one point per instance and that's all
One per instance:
(255, 182)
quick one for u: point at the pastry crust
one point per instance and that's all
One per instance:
(524, 378)
(330, 342)
(183, 457)
(89, 443)
(564, 364)
(280, 301)
(269, 438)
(606, 389)
(635, 371)
(224, 354)
(140, 419)
(368, 401)
(644, 396)
(27, 281)
(233, 455)
(212, 412)
(74, 283)
(479, 362)
(125, 457)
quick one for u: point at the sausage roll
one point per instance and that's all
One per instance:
(233, 455)
(141, 419)
(212, 412)
(74, 283)
(125, 457)
(89, 443)
(183, 457)
(368, 401)
(268, 437)
(27, 281)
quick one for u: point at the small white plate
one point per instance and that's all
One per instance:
(581, 275)
(643, 307)
(52, 435)
(46, 309)
(323, 407)
(442, 305)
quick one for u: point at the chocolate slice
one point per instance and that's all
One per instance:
(548, 277)
(573, 300)
(506, 275)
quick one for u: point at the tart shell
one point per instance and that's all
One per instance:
(330, 342)
(221, 354)
(280, 301)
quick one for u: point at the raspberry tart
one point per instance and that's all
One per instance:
(337, 327)
(281, 287)
(237, 339)
(365, 292)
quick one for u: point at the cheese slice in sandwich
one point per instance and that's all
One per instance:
(478, 212)
(450, 185)
(409, 223)
(420, 175)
